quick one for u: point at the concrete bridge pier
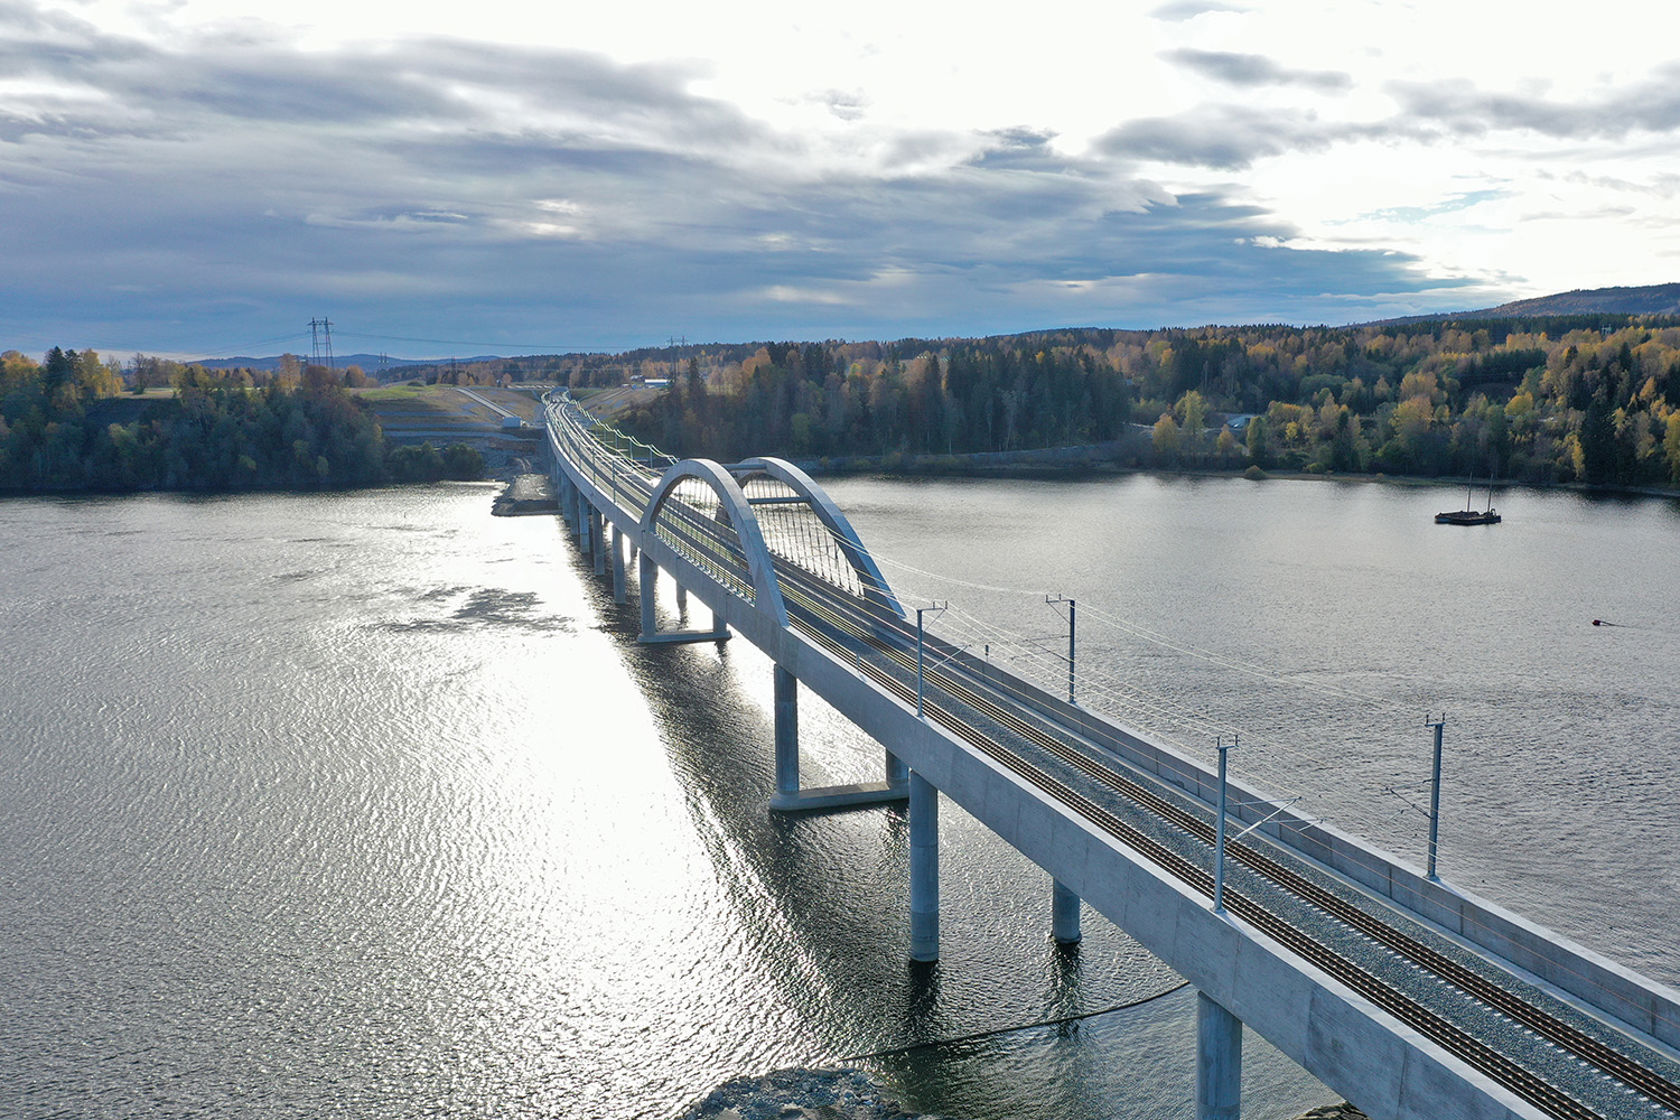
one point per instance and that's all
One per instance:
(1064, 914)
(787, 732)
(1218, 1061)
(597, 524)
(585, 515)
(788, 796)
(618, 564)
(924, 869)
(648, 575)
(898, 774)
(682, 601)
(568, 501)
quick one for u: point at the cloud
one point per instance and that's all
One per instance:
(1652, 105)
(1659, 186)
(1178, 11)
(845, 105)
(1021, 147)
(105, 85)
(1225, 137)
(783, 293)
(1576, 216)
(175, 194)
(1255, 70)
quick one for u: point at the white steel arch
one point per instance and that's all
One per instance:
(732, 502)
(875, 587)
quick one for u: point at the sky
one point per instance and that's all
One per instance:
(201, 178)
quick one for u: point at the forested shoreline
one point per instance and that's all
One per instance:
(65, 427)
(1585, 399)
(1589, 399)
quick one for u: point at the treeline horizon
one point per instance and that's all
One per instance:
(1585, 398)
(1591, 398)
(64, 428)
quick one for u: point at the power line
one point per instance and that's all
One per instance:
(229, 351)
(478, 344)
(226, 350)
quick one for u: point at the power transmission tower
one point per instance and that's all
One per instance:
(318, 327)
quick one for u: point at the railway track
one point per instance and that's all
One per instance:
(1524, 1082)
(820, 611)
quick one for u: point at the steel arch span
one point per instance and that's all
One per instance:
(733, 507)
(839, 526)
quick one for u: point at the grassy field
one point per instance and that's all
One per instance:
(442, 414)
(408, 392)
(609, 404)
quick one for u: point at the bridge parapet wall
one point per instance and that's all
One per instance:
(1343, 1039)
(1326, 1017)
(619, 487)
(715, 530)
(1592, 978)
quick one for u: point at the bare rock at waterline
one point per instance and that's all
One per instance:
(1343, 1111)
(800, 1094)
(847, 1094)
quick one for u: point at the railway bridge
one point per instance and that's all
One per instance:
(1415, 1000)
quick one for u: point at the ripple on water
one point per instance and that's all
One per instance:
(415, 829)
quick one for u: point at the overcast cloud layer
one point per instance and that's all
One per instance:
(195, 180)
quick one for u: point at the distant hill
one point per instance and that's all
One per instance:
(1652, 299)
(370, 363)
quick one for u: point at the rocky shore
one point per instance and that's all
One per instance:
(526, 494)
(800, 1094)
(1343, 1111)
(846, 1094)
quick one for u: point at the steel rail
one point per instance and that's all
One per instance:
(1531, 1086)
(817, 596)
(1639, 1077)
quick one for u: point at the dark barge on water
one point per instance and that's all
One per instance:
(1467, 515)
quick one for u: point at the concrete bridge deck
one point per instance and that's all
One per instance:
(1379, 982)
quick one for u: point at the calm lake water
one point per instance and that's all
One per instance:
(369, 805)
